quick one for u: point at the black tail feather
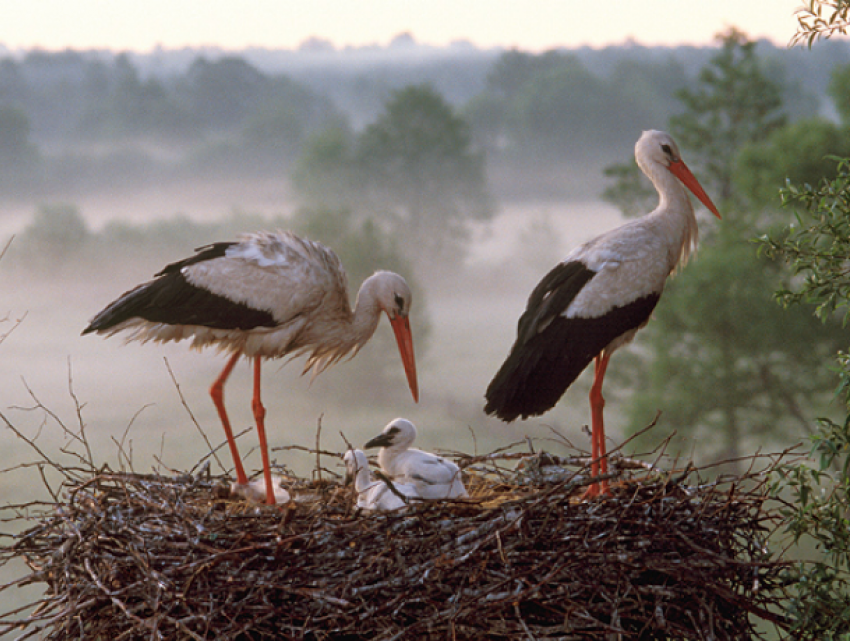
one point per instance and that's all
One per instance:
(534, 377)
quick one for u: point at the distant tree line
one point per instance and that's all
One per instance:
(414, 171)
(94, 118)
(83, 97)
(91, 120)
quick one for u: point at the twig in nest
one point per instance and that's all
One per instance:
(318, 470)
(389, 483)
(346, 441)
(79, 410)
(213, 450)
(122, 453)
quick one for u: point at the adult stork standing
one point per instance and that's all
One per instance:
(267, 295)
(598, 298)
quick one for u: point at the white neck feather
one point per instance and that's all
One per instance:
(367, 312)
(675, 213)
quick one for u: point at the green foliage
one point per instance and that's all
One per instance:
(325, 173)
(14, 133)
(178, 114)
(488, 113)
(221, 92)
(818, 245)
(798, 153)
(545, 114)
(418, 155)
(222, 115)
(541, 109)
(276, 130)
(278, 124)
(413, 172)
(839, 90)
(739, 374)
(821, 19)
(818, 492)
(19, 158)
(630, 192)
(514, 68)
(130, 106)
(734, 104)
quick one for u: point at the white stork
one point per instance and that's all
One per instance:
(267, 295)
(433, 476)
(598, 298)
(371, 494)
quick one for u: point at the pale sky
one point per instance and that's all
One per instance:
(533, 25)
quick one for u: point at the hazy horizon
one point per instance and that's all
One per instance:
(535, 26)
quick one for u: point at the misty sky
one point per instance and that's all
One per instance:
(529, 24)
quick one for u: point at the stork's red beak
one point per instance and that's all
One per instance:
(401, 327)
(681, 171)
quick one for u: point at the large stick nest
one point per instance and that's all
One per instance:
(666, 556)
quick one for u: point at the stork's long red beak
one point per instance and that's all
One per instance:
(401, 327)
(681, 171)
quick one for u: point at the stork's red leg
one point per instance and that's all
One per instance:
(599, 464)
(260, 418)
(217, 393)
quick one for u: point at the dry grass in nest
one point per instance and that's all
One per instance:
(666, 556)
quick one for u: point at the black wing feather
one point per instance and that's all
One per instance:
(552, 296)
(207, 252)
(551, 350)
(172, 300)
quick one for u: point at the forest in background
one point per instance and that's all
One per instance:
(88, 120)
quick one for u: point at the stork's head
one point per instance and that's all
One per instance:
(399, 434)
(393, 296)
(658, 149)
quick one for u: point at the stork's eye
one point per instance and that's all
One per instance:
(399, 302)
(393, 431)
(666, 149)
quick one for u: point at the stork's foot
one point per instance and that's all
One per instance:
(596, 490)
(255, 491)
